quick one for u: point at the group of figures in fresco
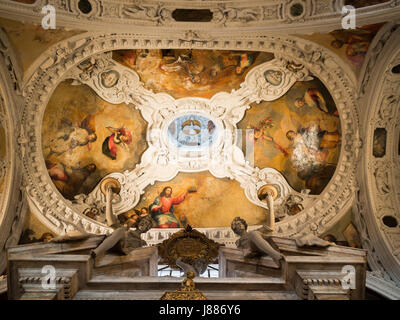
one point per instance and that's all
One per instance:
(83, 137)
(187, 72)
(355, 42)
(306, 140)
(71, 136)
(161, 210)
(299, 134)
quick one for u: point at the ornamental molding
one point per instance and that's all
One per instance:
(294, 16)
(387, 288)
(373, 53)
(61, 215)
(13, 205)
(162, 161)
(379, 177)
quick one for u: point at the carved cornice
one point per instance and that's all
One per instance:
(385, 287)
(294, 16)
(58, 214)
(12, 199)
(379, 177)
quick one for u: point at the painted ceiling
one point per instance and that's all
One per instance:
(191, 73)
(84, 138)
(77, 132)
(30, 41)
(298, 135)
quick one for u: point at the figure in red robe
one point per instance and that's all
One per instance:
(119, 136)
(162, 209)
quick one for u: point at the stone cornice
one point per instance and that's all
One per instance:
(238, 17)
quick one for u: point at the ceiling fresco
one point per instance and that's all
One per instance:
(84, 138)
(191, 73)
(298, 135)
(208, 202)
(30, 40)
(351, 45)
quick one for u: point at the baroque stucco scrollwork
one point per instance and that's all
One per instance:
(290, 15)
(379, 200)
(13, 205)
(59, 214)
(162, 161)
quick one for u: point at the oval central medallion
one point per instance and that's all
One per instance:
(192, 132)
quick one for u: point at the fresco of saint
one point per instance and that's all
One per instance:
(162, 209)
(355, 42)
(70, 137)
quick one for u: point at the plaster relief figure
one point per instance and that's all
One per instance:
(123, 240)
(382, 180)
(255, 243)
(273, 77)
(110, 78)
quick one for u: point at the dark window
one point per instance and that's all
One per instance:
(85, 6)
(165, 271)
(363, 3)
(192, 15)
(396, 69)
(379, 147)
(296, 10)
(390, 221)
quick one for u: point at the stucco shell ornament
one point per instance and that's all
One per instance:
(268, 81)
